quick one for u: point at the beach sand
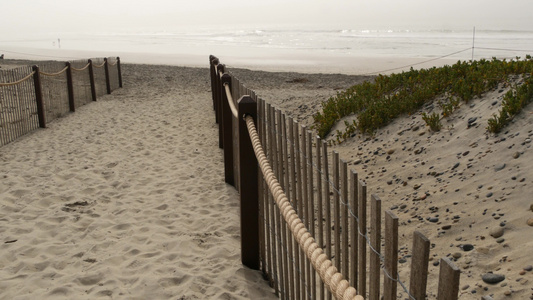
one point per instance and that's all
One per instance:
(125, 198)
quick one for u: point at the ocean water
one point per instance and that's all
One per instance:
(264, 45)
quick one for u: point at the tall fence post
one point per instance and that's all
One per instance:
(107, 81)
(39, 97)
(91, 78)
(212, 74)
(419, 266)
(221, 91)
(249, 187)
(119, 72)
(448, 280)
(227, 125)
(70, 86)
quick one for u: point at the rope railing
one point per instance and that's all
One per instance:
(99, 66)
(4, 84)
(54, 74)
(82, 69)
(230, 100)
(329, 274)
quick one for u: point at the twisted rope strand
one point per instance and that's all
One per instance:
(329, 274)
(82, 69)
(99, 66)
(2, 84)
(54, 74)
(230, 101)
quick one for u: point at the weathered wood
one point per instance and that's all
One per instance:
(361, 253)
(320, 207)
(107, 79)
(375, 242)
(91, 78)
(391, 256)
(70, 86)
(419, 266)
(249, 203)
(345, 264)
(327, 201)
(336, 210)
(448, 280)
(271, 156)
(261, 187)
(354, 236)
(220, 105)
(39, 97)
(227, 131)
(119, 69)
(289, 239)
(299, 204)
(293, 199)
(283, 227)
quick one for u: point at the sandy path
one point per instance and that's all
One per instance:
(124, 199)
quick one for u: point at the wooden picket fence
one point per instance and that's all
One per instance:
(30, 97)
(330, 200)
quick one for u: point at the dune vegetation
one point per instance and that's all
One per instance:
(376, 104)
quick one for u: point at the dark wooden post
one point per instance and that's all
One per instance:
(70, 86)
(119, 72)
(91, 77)
(221, 92)
(227, 125)
(39, 97)
(212, 73)
(216, 89)
(391, 256)
(107, 82)
(249, 188)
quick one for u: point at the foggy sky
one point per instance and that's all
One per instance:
(25, 18)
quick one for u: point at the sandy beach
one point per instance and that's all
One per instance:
(125, 199)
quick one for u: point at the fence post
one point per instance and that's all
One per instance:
(39, 97)
(419, 266)
(221, 92)
(70, 86)
(249, 187)
(91, 77)
(119, 72)
(216, 90)
(227, 125)
(212, 73)
(391, 256)
(107, 82)
(448, 280)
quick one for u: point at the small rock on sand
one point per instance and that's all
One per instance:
(496, 232)
(492, 278)
(530, 222)
(499, 167)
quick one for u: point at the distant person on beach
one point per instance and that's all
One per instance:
(2, 56)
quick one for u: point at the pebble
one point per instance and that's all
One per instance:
(465, 287)
(433, 219)
(499, 167)
(516, 155)
(468, 247)
(489, 195)
(496, 232)
(530, 222)
(529, 268)
(455, 166)
(500, 240)
(492, 278)
(457, 255)
(446, 227)
(417, 186)
(391, 151)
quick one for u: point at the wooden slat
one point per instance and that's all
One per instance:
(361, 284)
(289, 238)
(375, 242)
(448, 280)
(277, 220)
(281, 178)
(391, 256)
(311, 207)
(327, 201)
(419, 266)
(299, 206)
(274, 242)
(320, 207)
(345, 266)
(305, 202)
(293, 199)
(354, 236)
(336, 209)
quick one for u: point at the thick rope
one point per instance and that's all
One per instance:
(53, 74)
(112, 64)
(230, 101)
(2, 84)
(82, 69)
(99, 66)
(329, 274)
